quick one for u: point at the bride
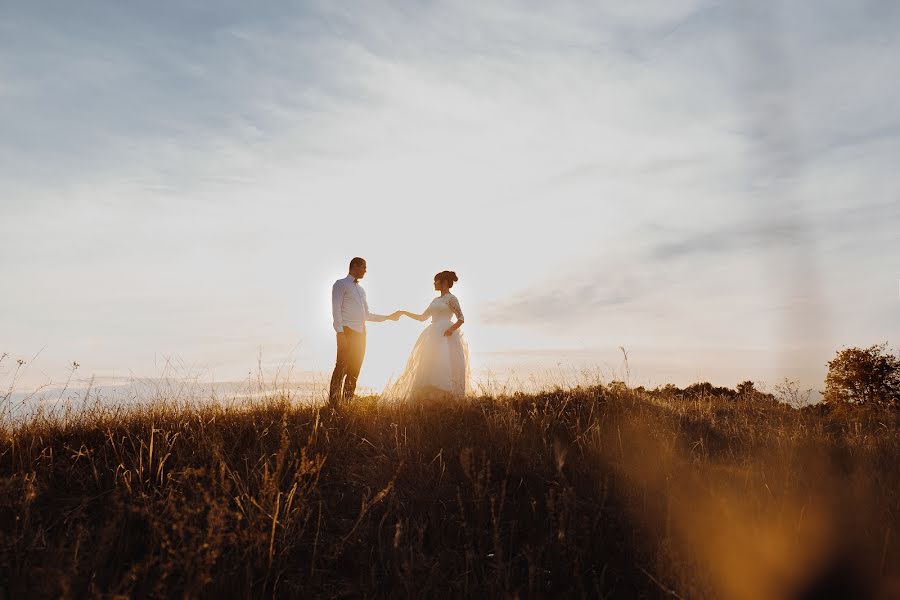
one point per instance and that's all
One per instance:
(439, 362)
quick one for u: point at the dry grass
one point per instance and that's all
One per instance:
(588, 492)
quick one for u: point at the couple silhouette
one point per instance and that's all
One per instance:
(438, 364)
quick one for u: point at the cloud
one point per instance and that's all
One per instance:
(662, 257)
(173, 96)
(779, 233)
(567, 302)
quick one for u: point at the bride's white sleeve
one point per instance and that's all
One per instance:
(454, 306)
(426, 313)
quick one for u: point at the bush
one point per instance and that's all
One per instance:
(864, 376)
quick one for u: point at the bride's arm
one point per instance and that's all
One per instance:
(421, 317)
(453, 328)
(460, 319)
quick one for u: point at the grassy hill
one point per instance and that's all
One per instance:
(593, 492)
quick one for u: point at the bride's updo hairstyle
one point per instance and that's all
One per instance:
(448, 276)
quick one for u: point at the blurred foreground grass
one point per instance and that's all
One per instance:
(591, 492)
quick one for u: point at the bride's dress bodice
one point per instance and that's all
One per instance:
(442, 309)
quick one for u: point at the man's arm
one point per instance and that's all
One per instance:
(337, 299)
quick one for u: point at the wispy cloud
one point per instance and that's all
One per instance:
(559, 301)
(659, 258)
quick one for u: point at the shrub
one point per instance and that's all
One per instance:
(864, 376)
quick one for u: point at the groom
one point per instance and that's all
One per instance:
(350, 311)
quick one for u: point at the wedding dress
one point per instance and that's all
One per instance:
(438, 364)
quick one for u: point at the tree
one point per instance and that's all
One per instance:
(705, 389)
(746, 389)
(864, 376)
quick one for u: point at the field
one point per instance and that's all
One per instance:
(601, 492)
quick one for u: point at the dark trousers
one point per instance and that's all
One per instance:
(346, 369)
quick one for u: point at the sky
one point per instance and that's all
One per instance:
(708, 186)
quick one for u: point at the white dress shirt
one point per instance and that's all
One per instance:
(349, 307)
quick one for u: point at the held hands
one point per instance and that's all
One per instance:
(395, 316)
